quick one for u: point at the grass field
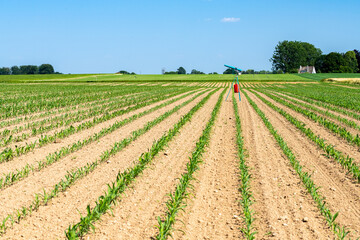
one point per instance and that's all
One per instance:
(147, 78)
(150, 160)
(173, 78)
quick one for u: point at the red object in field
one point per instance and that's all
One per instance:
(236, 88)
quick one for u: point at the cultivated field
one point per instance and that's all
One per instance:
(105, 158)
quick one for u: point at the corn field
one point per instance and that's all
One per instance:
(175, 160)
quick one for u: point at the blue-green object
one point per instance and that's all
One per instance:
(236, 80)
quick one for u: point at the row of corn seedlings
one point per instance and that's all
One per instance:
(177, 198)
(62, 99)
(38, 115)
(80, 116)
(44, 124)
(245, 177)
(336, 97)
(346, 121)
(71, 177)
(346, 162)
(341, 131)
(9, 153)
(305, 177)
(22, 173)
(322, 104)
(124, 179)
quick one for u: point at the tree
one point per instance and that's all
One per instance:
(15, 70)
(181, 70)
(46, 69)
(357, 55)
(332, 63)
(29, 69)
(5, 71)
(289, 55)
(194, 71)
(228, 71)
(350, 61)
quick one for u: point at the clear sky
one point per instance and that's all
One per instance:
(88, 36)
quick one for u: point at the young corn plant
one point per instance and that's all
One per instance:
(245, 177)
(22, 173)
(177, 199)
(72, 176)
(346, 162)
(124, 179)
(340, 231)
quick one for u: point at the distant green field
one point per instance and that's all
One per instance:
(173, 77)
(41, 77)
(320, 76)
(195, 78)
(147, 78)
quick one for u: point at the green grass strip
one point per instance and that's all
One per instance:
(124, 179)
(177, 199)
(245, 177)
(346, 161)
(305, 177)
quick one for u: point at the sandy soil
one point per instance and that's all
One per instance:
(211, 212)
(281, 201)
(135, 216)
(341, 192)
(51, 221)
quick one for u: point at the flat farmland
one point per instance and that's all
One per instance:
(105, 158)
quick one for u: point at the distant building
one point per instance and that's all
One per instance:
(307, 69)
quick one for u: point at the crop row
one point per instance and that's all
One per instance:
(104, 104)
(346, 98)
(341, 131)
(328, 106)
(245, 177)
(305, 177)
(346, 161)
(346, 121)
(9, 153)
(71, 177)
(176, 200)
(106, 98)
(65, 99)
(79, 116)
(124, 179)
(19, 174)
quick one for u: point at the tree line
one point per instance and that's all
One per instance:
(28, 69)
(290, 55)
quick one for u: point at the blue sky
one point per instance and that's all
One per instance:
(78, 36)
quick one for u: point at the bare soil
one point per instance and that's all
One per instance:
(281, 201)
(51, 221)
(342, 193)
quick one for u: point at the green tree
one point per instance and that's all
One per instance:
(194, 71)
(29, 69)
(181, 70)
(351, 62)
(332, 63)
(357, 55)
(46, 69)
(229, 71)
(289, 55)
(15, 70)
(5, 71)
